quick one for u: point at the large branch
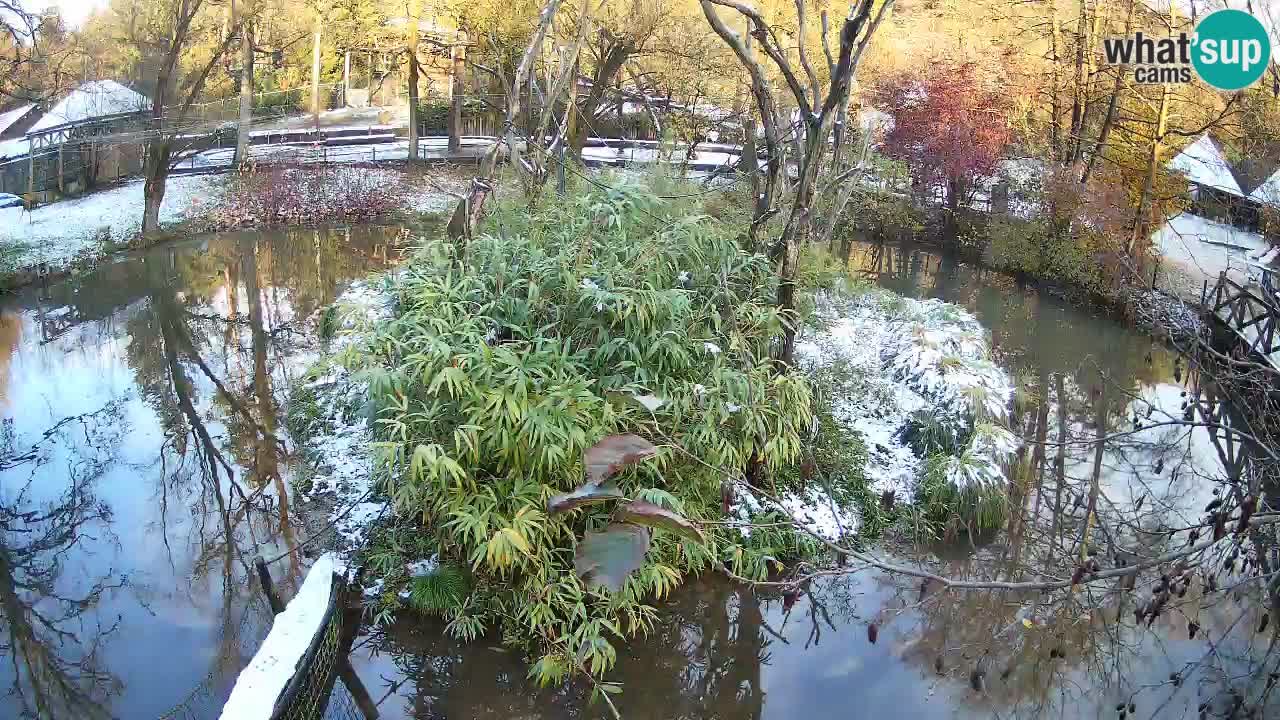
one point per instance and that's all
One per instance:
(759, 80)
(771, 48)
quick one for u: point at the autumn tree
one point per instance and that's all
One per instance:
(950, 127)
(39, 58)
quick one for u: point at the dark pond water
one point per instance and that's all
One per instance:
(142, 466)
(722, 651)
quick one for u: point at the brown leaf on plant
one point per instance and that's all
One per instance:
(613, 453)
(642, 512)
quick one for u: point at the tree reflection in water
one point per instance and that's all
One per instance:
(50, 632)
(202, 340)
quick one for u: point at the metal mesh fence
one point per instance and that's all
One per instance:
(315, 692)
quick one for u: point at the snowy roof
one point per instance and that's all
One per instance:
(99, 98)
(1268, 193)
(16, 147)
(1203, 164)
(13, 116)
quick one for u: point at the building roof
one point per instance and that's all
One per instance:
(96, 99)
(1203, 164)
(7, 119)
(1268, 193)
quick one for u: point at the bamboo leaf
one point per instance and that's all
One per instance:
(606, 558)
(613, 453)
(642, 512)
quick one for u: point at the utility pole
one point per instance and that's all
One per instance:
(411, 44)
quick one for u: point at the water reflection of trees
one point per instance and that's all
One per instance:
(1113, 467)
(51, 634)
(703, 659)
(211, 332)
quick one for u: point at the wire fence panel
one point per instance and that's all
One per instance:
(307, 696)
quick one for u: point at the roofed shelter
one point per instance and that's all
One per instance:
(87, 136)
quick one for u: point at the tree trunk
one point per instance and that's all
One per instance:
(1077, 90)
(611, 64)
(315, 71)
(411, 44)
(459, 52)
(246, 95)
(155, 174)
(951, 222)
(794, 235)
(1141, 217)
(1109, 119)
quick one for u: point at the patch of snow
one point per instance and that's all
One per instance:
(820, 513)
(346, 473)
(261, 682)
(1268, 193)
(650, 402)
(13, 116)
(17, 147)
(61, 232)
(423, 567)
(1203, 249)
(898, 356)
(1203, 164)
(711, 347)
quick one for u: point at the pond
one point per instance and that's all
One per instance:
(143, 467)
(145, 464)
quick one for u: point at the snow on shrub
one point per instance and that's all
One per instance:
(920, 381)
(285, 194)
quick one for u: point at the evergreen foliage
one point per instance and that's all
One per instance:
(505, 363)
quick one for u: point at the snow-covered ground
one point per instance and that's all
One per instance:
(344, 472)
(59, 233)
(1194, 250)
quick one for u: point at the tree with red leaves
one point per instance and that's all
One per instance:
(950, 126)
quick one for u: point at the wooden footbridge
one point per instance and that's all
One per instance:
(1251, 312)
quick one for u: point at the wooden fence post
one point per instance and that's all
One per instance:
(268, 587)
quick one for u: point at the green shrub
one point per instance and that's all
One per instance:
(882, 215)
(1033, 248)
(433, 117)
(947, 508)
(504, 363)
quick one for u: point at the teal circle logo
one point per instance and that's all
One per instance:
(1232, 49)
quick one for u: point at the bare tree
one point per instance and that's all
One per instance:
(816, 110)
